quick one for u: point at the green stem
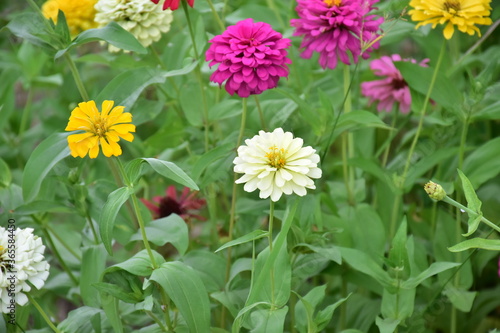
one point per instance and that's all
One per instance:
(138, 215)
(166, 301)
(76, 77)
(393, 125)
(349, 145)
(452, 202)
(42, 313)
(272, 5)
(157, 320)
(63, 242)
(261, 114)
(216, 15)
(91, 224)
(26, 115)
(270, 240)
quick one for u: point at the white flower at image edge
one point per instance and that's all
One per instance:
(276, 163)
(30, 265)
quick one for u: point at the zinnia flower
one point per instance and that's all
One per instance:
(392, 88)
(335, 28)
(464, 14)
(21, 261)
(185, 206)
(173, 4)
(102, 129)
(251, 58)
(79, 13)
(276, 163)
(141, 18)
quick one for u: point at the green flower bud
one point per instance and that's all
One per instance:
(435, 191)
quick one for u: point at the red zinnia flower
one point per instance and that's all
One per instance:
(173, 4)
(171, 204)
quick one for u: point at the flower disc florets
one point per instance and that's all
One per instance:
(337, 28)
(251, 56)
(392, 88)
(276, 163)
(102, 129)
(462, 14)
(142, 18)
(29, 265)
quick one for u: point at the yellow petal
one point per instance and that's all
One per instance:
(79, 137)
(106, 107)
(106, 148)
(117, 110)
(117, 150)
(448, 31)
(123, 128)
(94, 151)
(127, 136)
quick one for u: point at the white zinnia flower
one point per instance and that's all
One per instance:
(276, 163)
(29, 265)
(142, 18)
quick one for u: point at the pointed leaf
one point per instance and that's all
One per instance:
(324, 316)
(477, 243)
(47, 154)
(473, 201)
(140, 264)
(171, 171)
(186, 290)
(108, 215)
(254, 235)
(267, 320)
(434, 268)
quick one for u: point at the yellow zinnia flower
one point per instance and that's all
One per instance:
(464, 14)
(101, 129)
(79, 13)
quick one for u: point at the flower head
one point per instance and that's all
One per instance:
(435, 191)
(185, 206)
(462, 14)
(251, 56)
(335, 28)
(392, 88)
(79, 13)
(141, 18)
(29, 265)
(102, 129)
(173, 4)
(276, 163)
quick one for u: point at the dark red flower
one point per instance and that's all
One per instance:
(173, 4)
(185, 206)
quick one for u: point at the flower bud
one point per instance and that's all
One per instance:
(435, 191)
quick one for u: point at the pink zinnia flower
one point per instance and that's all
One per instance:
(251, 58)
(335, 28)
(173, 4)
(185, 206)
(393, 88)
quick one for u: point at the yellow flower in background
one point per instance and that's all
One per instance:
(102, 129)
(79, 13)
(460, 14)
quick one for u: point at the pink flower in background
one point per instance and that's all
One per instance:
(185, 206)
(337, 28)
(251, 57)
(392, 88)
(173, 4)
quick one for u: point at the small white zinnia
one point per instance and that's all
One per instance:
(142, 18)
(276, 163)
(29, 266)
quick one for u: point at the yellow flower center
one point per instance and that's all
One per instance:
(276, 157)
(331, 3)
(452, 6)
(99, 127)
(1, 249)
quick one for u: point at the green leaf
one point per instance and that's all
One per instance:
(304, 309)
(461, 299)
(210, 268)
(358, 119)
(108, 215)
(110, 307)
(5, 174)
(433, 269)
(210, 157)
(47, 154)
(473, 224)
(140, 264)
(324, 316)
(473, 201)
(268, 320)
(39, 206)
(365, 264)
(62, 28)
(477, 243)
(254, 235)
(171, 171)
(29, 26)
(79, 320)
(122, 285)
(113, 33)
(328, 252)
(239, 318)
(483, 162)
(387, 325)
(186, 290)
(418, 78)
(117, 292)
(225, 109)
(171, 229)
(93, 264)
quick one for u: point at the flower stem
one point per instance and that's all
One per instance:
(63, 242)
(135, 205)
(414, 142)
(270, 240)
(261, 114)
(91, 224)
(216, 15)
(43, 314)
(166, 301)
(388, 149)
(272, 5)
(348, 140)
(452, 202)
(76, 77)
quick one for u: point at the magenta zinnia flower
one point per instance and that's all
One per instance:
(251, 58)
(391, 89)
(335, 28)
(173, 4)
(185, 206)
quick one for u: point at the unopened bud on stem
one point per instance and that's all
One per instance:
(435, 191)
